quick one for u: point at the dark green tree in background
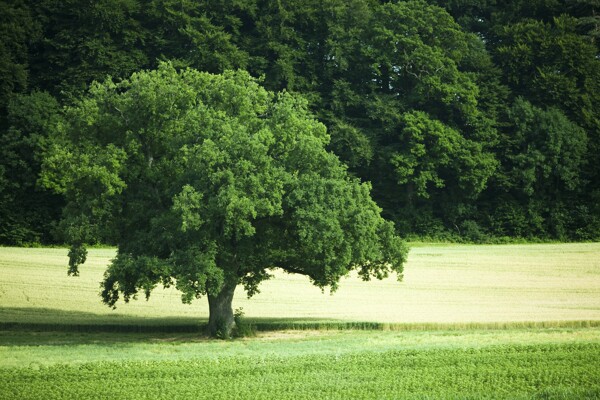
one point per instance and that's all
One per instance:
(556, 69)
(419, 96)
(403, 98)
(28, 212)
(202, 34)
(18, 28)
(84, 41)
(547, 54)
(207, 182)
(541, 175)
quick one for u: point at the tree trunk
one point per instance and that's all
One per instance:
(220, 317)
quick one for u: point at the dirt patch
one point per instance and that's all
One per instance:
(293, 334)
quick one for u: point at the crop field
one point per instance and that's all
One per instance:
(510, 321)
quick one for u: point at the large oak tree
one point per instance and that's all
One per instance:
(208, 182)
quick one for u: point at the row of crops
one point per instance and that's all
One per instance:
(545, 371)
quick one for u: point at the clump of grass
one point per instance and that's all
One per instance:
(243, 328)
(385, 326)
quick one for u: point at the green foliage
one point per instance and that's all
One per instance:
(364, 67)
(81, 42)
(243, 328)
(550, 150)
(492, 372)
(27, 211)
(17, 30)
(417, 102)
(208, 181)
(541, 173)
(198, 34)
(428, 149)
(546, 54)
(552, 65)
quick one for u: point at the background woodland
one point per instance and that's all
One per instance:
(474, 120)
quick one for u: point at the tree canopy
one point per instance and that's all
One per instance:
(209, 181)
(420, 97)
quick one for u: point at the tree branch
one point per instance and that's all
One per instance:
(298, 271)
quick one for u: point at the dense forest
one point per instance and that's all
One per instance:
(474, 120)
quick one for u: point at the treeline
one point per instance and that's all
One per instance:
(474, 120)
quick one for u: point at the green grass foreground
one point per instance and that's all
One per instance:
(385, 366)
(510, 363)
(58, 342)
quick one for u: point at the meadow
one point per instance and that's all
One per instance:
(506, 321)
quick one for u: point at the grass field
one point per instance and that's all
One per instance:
(510, 321)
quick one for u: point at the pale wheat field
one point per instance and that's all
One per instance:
(442, 284)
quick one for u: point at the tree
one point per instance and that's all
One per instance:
(198, 34)
(27, 211)
(552, 66)
(403, 78)
(430, 149)
(17, 29)
(541, 174)
(84, 41)
(207, 182)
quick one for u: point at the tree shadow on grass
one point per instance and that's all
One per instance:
(46, 326)
(48, 319)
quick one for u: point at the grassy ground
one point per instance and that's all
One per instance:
(511, 321)
(514, 372)
(442, 284)
(19, 349)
